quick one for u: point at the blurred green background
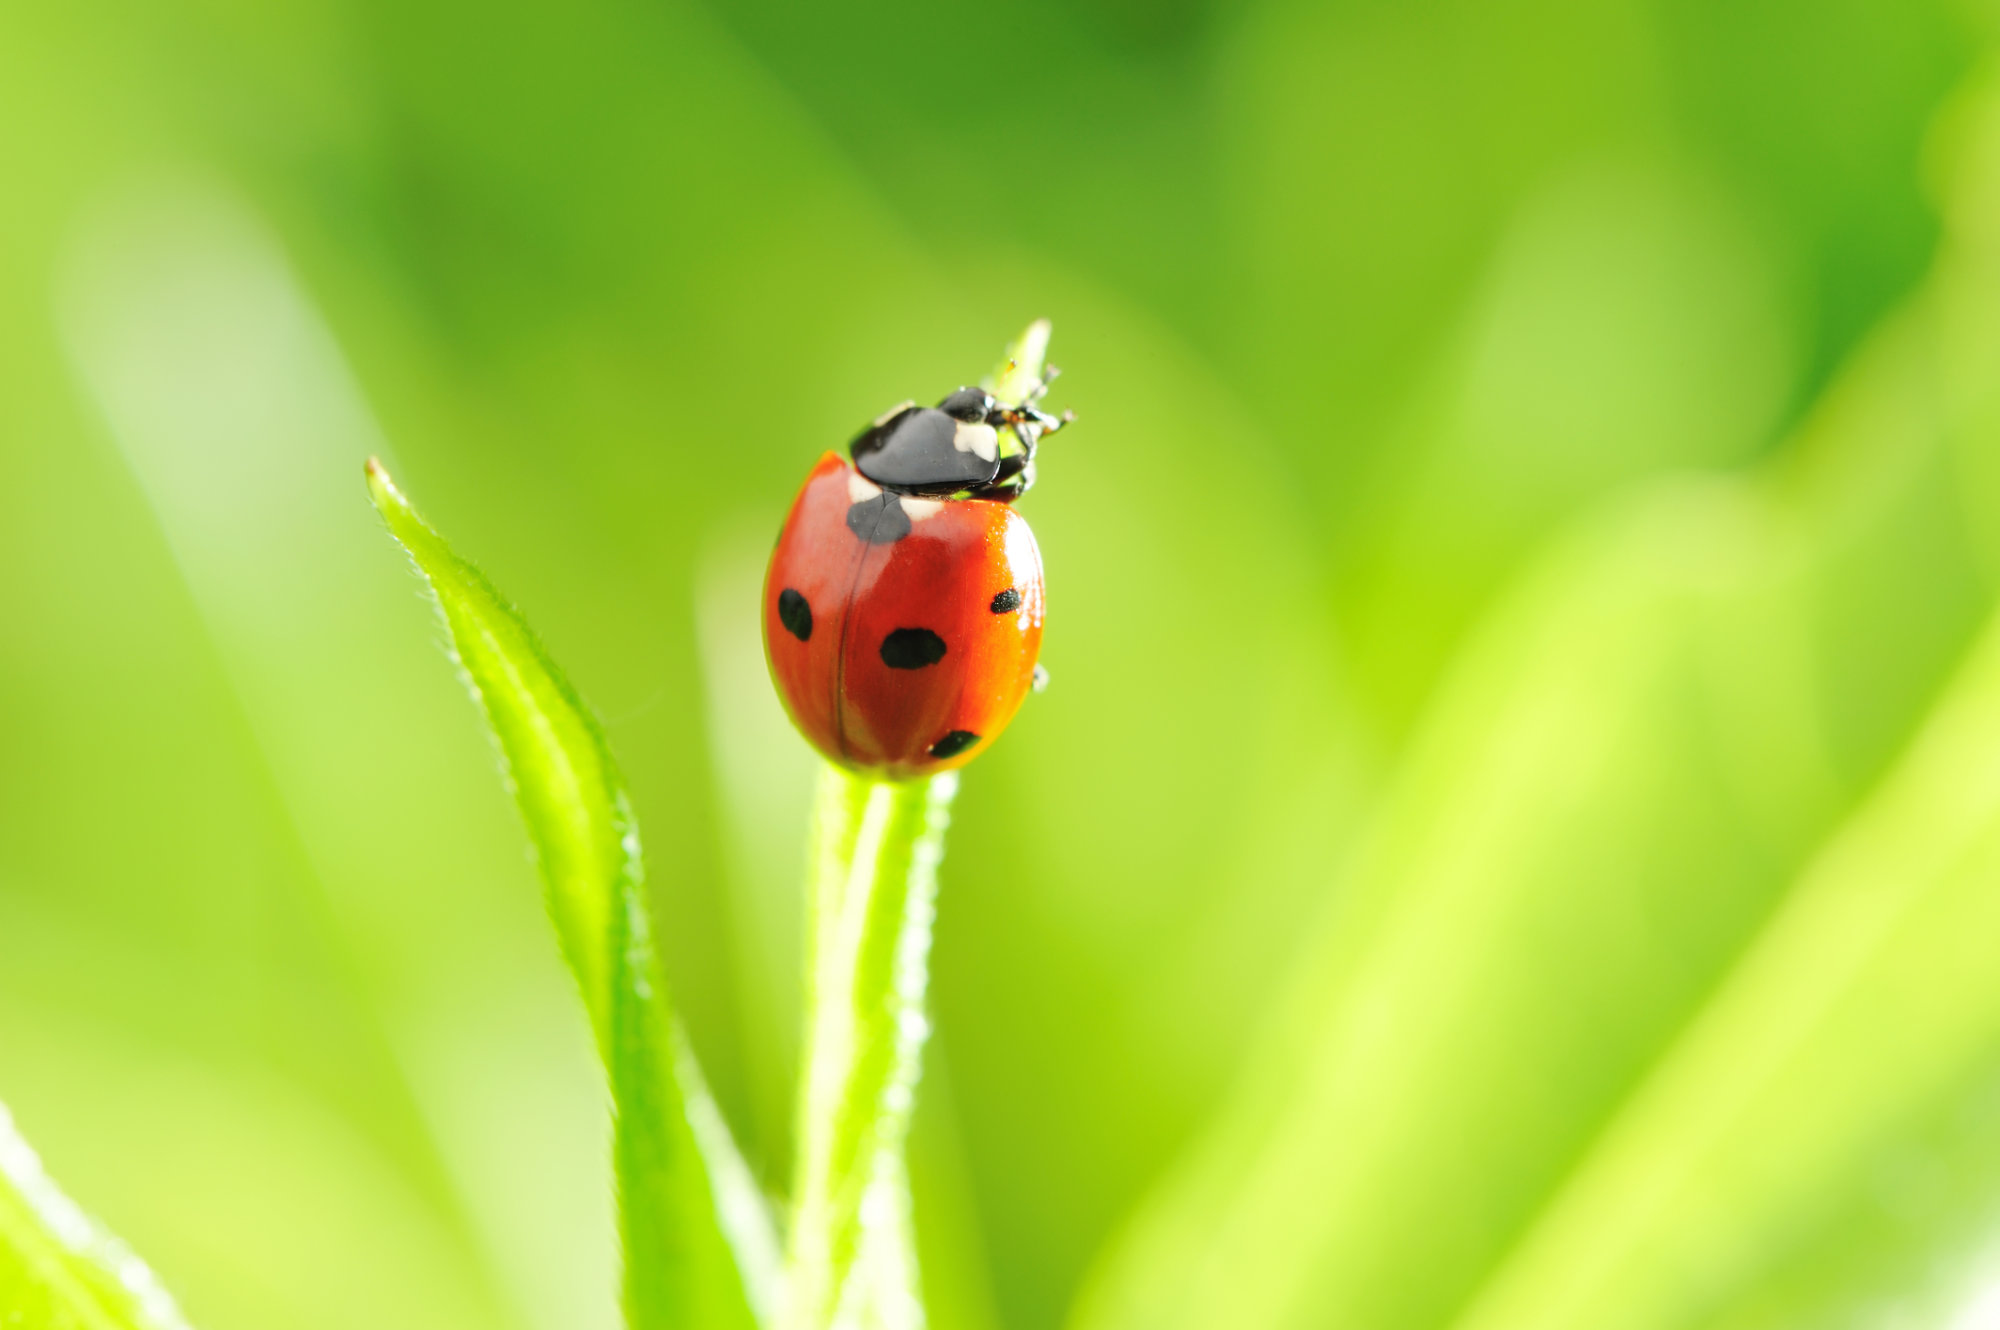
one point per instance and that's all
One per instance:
(1514, 835)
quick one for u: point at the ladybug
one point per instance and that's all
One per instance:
(903, 604)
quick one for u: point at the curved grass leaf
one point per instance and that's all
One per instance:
(59, 1269)
(696, 1239)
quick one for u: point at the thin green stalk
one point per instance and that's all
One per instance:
(877, 846)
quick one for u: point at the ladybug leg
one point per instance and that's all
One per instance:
(1029, 423)
(1050, 373)
(1032, 426)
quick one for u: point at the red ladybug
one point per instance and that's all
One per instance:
(903, 605)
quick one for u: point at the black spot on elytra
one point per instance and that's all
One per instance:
(912, 649)
(880, 520)
(795, 614)
(1006, 602)
(954, 743)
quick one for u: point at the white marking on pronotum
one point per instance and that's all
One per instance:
(979, 440)
(893, 412)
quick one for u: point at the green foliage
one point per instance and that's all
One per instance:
(59, 1270)
(1849, 1053)
(1537, 491)
(672, 1177)
(1651, 935)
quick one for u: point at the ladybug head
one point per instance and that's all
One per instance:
(969, 446)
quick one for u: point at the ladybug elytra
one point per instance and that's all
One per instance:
(903, 604)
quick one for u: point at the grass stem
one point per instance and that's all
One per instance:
(876, 849)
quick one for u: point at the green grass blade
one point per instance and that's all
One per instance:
(1822, 1135)
(695, 1238)
(1020, 367)
(876, 851)
(1649, 740)
(59, 1269)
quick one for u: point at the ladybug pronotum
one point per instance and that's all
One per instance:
(903, 605)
